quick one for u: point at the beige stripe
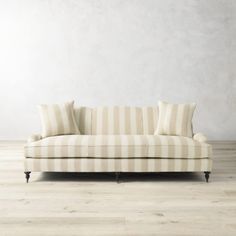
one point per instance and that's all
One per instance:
(104, 121)
(151, 124)
(171, 147)
(73, 125)
(128, 120)
(177, 165)
(111, 121)
(94, 121)
(50, 152)
(135, 121)
(122, 120)
(167, 121)
(184, 166)
(48, 125)
(145, 120)
(197, 164)
(116, 120)
(184, 121)
(88, 121)
(191, 153)
(179, 116)
(61, 118)
(173, 120)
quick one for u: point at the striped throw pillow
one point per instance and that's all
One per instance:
(58, 119)
(175, 119)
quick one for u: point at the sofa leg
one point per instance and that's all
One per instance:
(207, 174)
(117, 176)
(27, 176)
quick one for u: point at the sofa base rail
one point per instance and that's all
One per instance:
(117, 165)
(117, 175)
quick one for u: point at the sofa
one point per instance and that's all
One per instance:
(117, 139)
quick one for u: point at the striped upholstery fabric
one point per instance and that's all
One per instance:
(58, 119)
(117, 120)
(149, 119)
(175, 119)
(83, 116)
(117, 165)
(117, 146)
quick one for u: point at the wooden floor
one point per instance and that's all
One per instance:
(147, 204)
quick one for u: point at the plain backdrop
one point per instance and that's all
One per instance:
(118, 52)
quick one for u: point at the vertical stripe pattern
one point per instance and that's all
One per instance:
(117, 146)
(83, 116)
(58, 119)
(121, 165)
(149, 119)
(175, 119)
(116, 120)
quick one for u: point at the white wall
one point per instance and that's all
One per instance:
(118, 52)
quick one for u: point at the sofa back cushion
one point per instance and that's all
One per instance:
(117, 120)
(149, 120)
(83, 116)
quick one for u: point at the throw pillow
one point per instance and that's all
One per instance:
(175, 119)
(58, 119)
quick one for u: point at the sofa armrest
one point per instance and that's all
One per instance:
(34, 138)
(200, 137)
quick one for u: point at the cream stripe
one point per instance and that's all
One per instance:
(105, 122)
(151, 146)
(52, 120)
(116, 120)
(62, 118)
(164, 146)
(125, 146)
(111, 164)
(191, 153)
(155, 119)
(111, 120)
(178, 147)
(88, 121)
(72, 142)
(128, 120)
(137, 165)
(122, 120)
(145, 120)
(179, 115)
(71, 165)
(133, 122)
(176, 167)
(151, 165)
(99, 120)
(167, 121)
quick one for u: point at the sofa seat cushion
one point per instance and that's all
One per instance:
(117, 146)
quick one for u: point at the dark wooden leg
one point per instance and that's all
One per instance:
(117, 176)
(27, 176)
(207, 174)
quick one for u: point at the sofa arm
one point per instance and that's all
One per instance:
(200, 137)
(34, 138)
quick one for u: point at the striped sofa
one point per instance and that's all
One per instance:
(117, 139)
